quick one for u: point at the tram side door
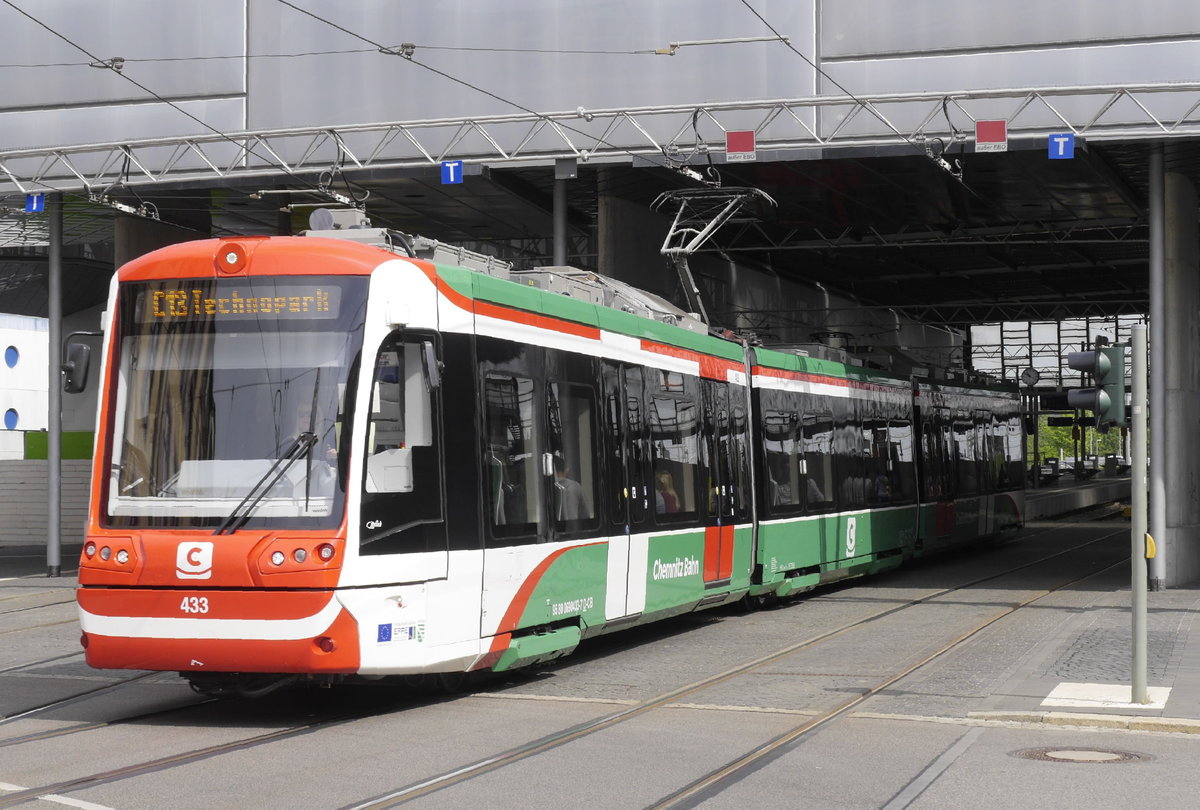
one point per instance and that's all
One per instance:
(628, 484)
(403, 516)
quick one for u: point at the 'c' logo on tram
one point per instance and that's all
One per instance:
(194, 560)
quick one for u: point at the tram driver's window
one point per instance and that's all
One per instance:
(401, 417)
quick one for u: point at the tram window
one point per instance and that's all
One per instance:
(401, 419)
(614, 441)
(964, 456)
(627, 490)
(1014, 439)
(933, 457)
(781, 452)
(715, 451)
(984, 451)
(673, 420)
(570, 410)
(638, 460)
(948, 452)
(931, 460)
(512, 456)
(403, 480)
(739, 455)
(997, 462)
(848, 455)
(722, 454)
(818, 459)
(900, 443)
(877, 457)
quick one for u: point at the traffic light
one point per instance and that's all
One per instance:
(1106, 397)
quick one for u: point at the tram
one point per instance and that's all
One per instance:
(325, 456)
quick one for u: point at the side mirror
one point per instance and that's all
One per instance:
(433, 367)
(75, 367)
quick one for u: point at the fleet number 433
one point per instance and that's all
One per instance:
(194, 604)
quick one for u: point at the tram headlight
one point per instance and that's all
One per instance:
(325, 552)
(299, 555)
(122, 557)
(277, 558)
(105, 553)
(90, 550)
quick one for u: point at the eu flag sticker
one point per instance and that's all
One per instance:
(385, 632)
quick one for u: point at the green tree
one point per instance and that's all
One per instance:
(1052, 440)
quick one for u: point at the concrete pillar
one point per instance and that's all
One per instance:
(628, 239)
(1158, 342)
(1180, 366)
(135, 236)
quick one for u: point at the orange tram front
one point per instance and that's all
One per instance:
(217, 529)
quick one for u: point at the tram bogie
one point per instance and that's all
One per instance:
(320, 459)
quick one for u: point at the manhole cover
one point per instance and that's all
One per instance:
(1091, 755)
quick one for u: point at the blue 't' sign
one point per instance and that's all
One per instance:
(1061, 146)
(452, 172)
(35, 203)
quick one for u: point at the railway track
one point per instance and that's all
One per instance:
(324, 720)
(697, 791)
(27, 608)
(710, 784)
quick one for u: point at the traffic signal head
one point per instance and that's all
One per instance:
(1106, 397)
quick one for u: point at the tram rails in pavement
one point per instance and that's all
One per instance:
(328, 716)
(318, 458)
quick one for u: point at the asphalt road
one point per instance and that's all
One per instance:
(151, 743)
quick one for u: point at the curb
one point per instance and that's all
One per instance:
(1177, 725)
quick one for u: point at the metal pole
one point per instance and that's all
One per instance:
(54, 380)
(560, 222)
(1137, 532)
(1158, 382)
(1035, 402)
(564, 169)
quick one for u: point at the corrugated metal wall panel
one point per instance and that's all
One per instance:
(23, 504)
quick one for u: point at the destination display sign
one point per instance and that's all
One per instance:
(226, 302)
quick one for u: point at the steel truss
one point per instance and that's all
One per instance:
(751, 237)
(668, 135)
(1018, 349)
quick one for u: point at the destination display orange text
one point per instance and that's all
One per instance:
(304, 301)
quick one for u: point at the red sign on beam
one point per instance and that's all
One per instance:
(991, 136)
(739, 146)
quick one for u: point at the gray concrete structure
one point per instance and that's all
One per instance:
(1177, 361)
(236, 66)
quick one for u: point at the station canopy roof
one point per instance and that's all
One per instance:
(1019, 237)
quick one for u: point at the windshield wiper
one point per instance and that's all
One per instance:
(241, 513)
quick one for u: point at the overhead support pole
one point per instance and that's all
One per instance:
(1139, 546)
(54, 213)
(560, 222)
(1158, 380)
(564, 169)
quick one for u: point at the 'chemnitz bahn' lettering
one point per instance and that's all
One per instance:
(686, 567)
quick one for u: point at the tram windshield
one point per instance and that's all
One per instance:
(230, 398)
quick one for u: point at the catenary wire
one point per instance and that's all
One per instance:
(168, 102)
(463, 82)
(982, 198)
(341, 52)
